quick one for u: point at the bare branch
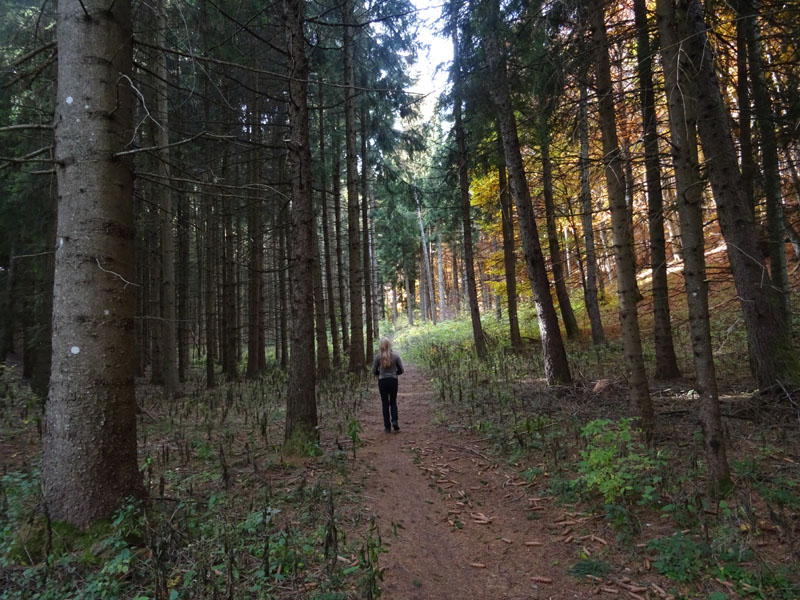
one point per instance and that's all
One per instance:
(127, 283)
(25, 126)
(32, 53)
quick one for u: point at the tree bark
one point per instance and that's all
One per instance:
(301, 405)
(340, 273)
(555, 357)
(556, 256)
(590, 294)
(690, 208)
(770, 342)
(666, 362)
(370, 336)
(466, 217)
(255, 234)
(509, 257)
(169, 349)
(356, 364)
(323, 355)
(409, 292)
(615, 182)
(89, 440)
(211, 288)
(765, 118)
(326, 237)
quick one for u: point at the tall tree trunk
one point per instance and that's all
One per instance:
(509, 256)
(182, 289)
(169, 350)
(211, 287)
(623, 246)
(326, 236)
(440, 275)
(590, 293)
(337, 216)
(229, 295)
(690, 207)
(375, 277)
(255, 235)
(466, 213)
(429, 301)
(283, 290)
(762, 302)
(357, 364)
(556, 257)
(555, 357)
(370, 336)
(154, 295)
(748, 163)
(765, 118)
(666, 362)
(409, 292)
(456, 289)
(320, 319)
(89, 439)
(301, 404)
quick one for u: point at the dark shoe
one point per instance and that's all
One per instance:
(396, 427)
(387, 430)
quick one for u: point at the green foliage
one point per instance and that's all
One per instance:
(617, 467)
(353, 429)
(594, 567)
(678, 557)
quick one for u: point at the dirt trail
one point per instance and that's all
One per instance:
(461, 521)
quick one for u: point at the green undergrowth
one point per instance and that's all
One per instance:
(583, 449)
(228, 515)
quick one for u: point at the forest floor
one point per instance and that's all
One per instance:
(456, 524)
(459, 523)
(477, 497)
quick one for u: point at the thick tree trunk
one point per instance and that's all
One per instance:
(356, 364)
(466, 217)
(623, 247)
(590, 293)
(762, 302)
(301, 404)
(509, 257)
(666, 362)
(89, 440)
(690, 207)
(555, 357)
(556, 257)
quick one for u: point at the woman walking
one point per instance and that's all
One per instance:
(386, 367)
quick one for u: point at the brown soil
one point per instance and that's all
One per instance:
(456, 523)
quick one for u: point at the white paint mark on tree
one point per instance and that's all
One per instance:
(69, 100)
(75, 350)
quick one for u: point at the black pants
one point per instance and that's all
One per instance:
(388, 389)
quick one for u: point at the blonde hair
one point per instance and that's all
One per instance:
(385, 349)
